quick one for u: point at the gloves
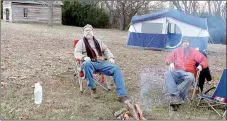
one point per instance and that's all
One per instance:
(199, 68)
(87, 58)
(111, 60)
(171, 66)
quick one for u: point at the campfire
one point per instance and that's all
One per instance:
(130, 112)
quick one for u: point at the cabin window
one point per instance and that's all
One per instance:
(25, 12)
(7, 13)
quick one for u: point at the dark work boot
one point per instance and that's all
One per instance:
(124, 99)
(176, 100)
(93, 93)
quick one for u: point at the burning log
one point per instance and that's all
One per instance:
(120, 117)
(139, 112)
(126, 115)
(131, 112)
(118, 113)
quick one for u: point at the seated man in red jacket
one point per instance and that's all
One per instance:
(182, 70)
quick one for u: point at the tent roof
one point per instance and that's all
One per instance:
(173, 13)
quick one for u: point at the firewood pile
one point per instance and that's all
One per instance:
(130, 112)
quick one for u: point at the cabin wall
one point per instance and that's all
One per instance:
(36, 13)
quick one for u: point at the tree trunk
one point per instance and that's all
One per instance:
(185, 6)
(218, 12)
(194, 7)
(177, 4)
(209, 8)
(190, 7)
(123, 10)
(50, 13)
(170, 4)
(122, 19)
(224, 11)
(122, 14)
(109, 5)
(215, 6)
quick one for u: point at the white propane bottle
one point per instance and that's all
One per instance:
(38, 93)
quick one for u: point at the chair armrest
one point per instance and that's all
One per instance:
(78, 60)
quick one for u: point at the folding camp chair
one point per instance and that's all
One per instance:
(219, 95)
(195, 85)
(98, 77)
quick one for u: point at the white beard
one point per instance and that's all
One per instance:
(88, 35)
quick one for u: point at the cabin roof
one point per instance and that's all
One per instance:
(37, 2)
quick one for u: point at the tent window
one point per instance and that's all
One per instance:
(155, 28)
(173, 28)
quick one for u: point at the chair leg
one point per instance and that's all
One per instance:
(101, 85)
(196, 83)
(107, 83)
(224, 114)
(209, 105)
(164, 90)
(168, 98)
(81, 84)
(199, 102)
(195, 86)
(213, 108)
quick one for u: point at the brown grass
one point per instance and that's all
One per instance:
(36, 52)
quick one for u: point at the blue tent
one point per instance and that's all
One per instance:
(165, 30)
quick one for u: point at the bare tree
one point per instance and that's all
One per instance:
(178, 5)
(209, 8)
(110, 6)
(194, 8)
(191, 7)
(123, 9)
(122, 12)
(223, 11)
(187, 6)
(218, 9)
(215, 7)
(156, 6)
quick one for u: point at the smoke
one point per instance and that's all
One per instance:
(151, 89)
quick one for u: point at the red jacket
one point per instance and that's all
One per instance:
(187, 63)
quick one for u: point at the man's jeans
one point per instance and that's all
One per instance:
(178, 82)
(105, 68)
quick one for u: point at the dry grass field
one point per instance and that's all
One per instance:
(37, 52)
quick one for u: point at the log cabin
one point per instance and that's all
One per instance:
(31, 11)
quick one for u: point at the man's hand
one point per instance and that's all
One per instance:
(199, 68)
(171, 66)
(87, 58)
(111, 60)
